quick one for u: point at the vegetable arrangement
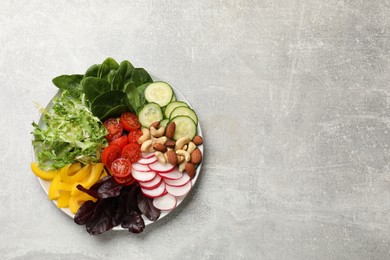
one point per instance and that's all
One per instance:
(116, 147)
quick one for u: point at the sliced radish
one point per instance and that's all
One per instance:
(166, 202)
(179, 191)
(161, 167)
(147, 161)
(140, 167)
(173, 175)
(143, 176)
(154, 193)
(177, 182)
(154, 183)
(147, 155)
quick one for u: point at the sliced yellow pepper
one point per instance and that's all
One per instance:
(46, 175)
(63, 200)
(93, 177)
(64, 186)
(53, 189)
(75, 202)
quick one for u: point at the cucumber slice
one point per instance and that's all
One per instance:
(184, 111)
(185, 127)
(149, 114)
(164, 122)
(159, 92)
(173, 98)
(171, 106)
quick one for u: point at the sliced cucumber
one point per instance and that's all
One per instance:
(164, 122)
(171, 106)
(173, 98)
(159, 92)
(185, 127)
(149, 114)
(184, 111)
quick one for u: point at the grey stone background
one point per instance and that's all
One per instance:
(293, 98)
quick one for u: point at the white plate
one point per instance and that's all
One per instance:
(180, 97)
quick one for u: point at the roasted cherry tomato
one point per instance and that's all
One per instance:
(132, 152)
(121, 168)
(134, 136)
(126, 180)
(120, 141)
(129, 121)
(114, 128)
(110, 154)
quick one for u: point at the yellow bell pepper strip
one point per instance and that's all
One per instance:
(75, 202)
(90, 180)
(75, 167)
(46, 175)
(63, 200)
(68, 177)
(53, 189)
(63, 186)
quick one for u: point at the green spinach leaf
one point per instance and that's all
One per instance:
(140, 76)
(109, 104)
(71, 83)
(94, 87)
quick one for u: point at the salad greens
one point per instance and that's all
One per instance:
(108, 89)
(70, 133)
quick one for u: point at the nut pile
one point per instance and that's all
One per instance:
(184, 152)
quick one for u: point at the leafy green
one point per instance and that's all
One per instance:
(140, 76)
(68, 133)
(94, 87)
(109, 104)
(70, 83)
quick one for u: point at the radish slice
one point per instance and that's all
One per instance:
(147, 161)
(161, 167)
(177, 182)
(166, 202)
(154, 193)
(173, 175)
(140, 167)
(151, 184)
(143, 176)
(147, 155)
(179, 191)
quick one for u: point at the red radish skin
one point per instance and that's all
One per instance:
(178, 182)
(147, 155)
(173, 175)
(140, 167)
(146, 161)
(151, 184)
(155, 193)
(179, 191)
(161, 168)
(166, 202)
(143, 176)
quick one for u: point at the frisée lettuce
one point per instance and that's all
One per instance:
(69, 133)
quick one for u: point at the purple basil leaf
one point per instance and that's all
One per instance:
(134, 222)
(145, 204)
(109, 188)
(91, 193)
(102, 218)
(121, 211)
(131, 203)
(85, 212)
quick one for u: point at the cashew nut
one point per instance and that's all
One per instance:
(145, 136)
(186, 155)
(157, 132)
(147, 146)
(160, 157)
(182, 166)
(191, 147)
(180, 159)
(160, 140)
(181, 142)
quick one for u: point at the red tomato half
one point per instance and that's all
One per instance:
(126, 180)
(134, 136)
(120, 141)
(114, 128)
(121, 168)
(132, 152)
(129, 121)
(110, 154)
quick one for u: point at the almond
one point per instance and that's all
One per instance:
(198, 140)
(170, 143)
(156, 125)
(196, 156)
(190, 169)
(171, 157)
(170, 130)
(159, 147)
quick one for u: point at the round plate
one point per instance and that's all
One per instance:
(180, 97)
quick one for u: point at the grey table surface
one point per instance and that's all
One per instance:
(294, 101)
